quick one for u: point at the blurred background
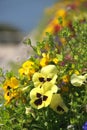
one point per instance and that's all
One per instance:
(18, 19)
(22, 19)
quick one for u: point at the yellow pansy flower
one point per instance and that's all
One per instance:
(65, 78)
(27, 68)
(10, 95)
(11, 83)
(55, 60)
(45, 60)
(57, 104)
(40, 98)
(47, 74)
(78, 80)
(28, 64)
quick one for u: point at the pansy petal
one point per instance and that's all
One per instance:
(54, 79)
(57, 104)
(48, 86)
(14, 82)
(54, 89)
(36, 79)
(48, 99)
(7, 96)
(34, 91)
(27, 64)
(49, 69)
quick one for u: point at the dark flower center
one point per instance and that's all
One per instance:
(8, 87)
(60, 109)
(48, 79)
(41, 79)
(38, 95)
(45, 98)
(8, 94)
(40, 99)
(38, 102)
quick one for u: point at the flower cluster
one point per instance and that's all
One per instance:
(9, 87)
(49, 90)
(68, 10)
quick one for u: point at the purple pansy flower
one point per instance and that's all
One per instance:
(84, 127)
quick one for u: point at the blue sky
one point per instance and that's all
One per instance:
(24, 14)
